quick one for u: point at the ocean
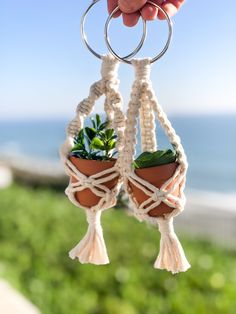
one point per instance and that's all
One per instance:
(209, 142)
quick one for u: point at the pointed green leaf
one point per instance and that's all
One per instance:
(109, 133)
(111, 144)
(98, 120)
(102, 135)
(81, 134)
(93, 122)
(103, 125)
(97, 144)
(91, 133)
(78, 146)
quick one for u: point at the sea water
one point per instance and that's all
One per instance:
(209, 142)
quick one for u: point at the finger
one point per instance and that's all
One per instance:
(176, 3)
(131, 6)
(111, 5)
(171, 7)
(130, 19)
(149, 12)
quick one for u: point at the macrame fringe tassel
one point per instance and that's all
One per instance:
(92, 248)
(171, 256)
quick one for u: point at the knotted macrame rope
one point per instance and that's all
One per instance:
(92, 248)
(143, 103)
(94, 235)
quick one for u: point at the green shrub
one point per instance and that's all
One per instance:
(39, 227)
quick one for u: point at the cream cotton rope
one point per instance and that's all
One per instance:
(92, 248)
(143, 103)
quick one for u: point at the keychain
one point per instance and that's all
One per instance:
(155, 191)
(95, 180)
(154, 181)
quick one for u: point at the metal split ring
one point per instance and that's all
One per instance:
(85, 40)
(137, 49)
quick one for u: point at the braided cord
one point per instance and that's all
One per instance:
(143, 101)
(108, 86)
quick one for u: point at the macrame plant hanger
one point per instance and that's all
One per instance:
(92, 248)
(144, 106)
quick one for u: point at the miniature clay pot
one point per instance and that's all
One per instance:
(157, 176)
(89, 167)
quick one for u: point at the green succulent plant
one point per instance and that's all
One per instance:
(96, 142)
(152, 159)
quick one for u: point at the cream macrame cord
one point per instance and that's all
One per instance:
(92, 248)
(143, 103)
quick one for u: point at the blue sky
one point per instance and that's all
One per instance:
(45, 70)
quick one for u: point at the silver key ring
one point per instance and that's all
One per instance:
(85, 41)
(107, 40)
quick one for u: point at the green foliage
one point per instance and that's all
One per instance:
(160, 157)
(96, 142)
(37, 229)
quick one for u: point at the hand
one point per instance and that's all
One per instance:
(132, 9)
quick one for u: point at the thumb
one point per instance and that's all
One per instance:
(130, 6)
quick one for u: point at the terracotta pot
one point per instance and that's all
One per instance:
(157, 176)
(89, 167)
